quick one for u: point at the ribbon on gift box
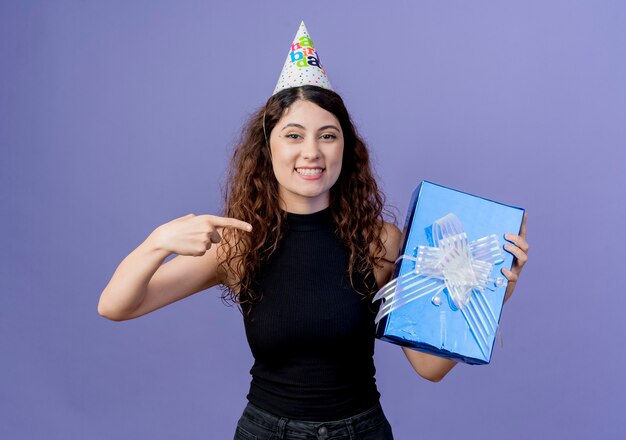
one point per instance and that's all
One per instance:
(456, 264)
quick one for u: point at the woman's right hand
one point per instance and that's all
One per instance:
(195, 234)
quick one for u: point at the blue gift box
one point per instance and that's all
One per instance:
(447, 291)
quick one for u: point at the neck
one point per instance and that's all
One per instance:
(304, 206)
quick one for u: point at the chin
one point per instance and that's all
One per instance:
(311, 195)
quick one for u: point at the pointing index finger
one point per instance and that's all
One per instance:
(228, 222)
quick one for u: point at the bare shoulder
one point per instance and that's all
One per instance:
(391, 237)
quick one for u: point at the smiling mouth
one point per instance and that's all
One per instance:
(309, 171)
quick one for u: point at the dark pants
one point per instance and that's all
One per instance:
(257, 424)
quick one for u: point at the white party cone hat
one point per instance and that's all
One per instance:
(302, 65)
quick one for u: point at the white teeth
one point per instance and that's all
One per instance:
(309, 171)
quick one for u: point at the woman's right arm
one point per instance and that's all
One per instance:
(142, 284)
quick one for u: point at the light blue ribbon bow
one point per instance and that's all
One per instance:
(456, 264)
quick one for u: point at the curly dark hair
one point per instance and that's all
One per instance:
(251, 194)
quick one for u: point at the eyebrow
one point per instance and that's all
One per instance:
(293, 124)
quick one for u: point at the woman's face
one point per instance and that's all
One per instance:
(307, 150)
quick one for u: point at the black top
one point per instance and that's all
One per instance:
(312, 334)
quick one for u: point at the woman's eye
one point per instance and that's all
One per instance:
(329, 136)
(293, 136)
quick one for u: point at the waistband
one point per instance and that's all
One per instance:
(284, 426)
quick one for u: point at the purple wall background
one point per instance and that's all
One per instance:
(118, 117)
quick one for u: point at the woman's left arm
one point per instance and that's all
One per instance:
(431, 367)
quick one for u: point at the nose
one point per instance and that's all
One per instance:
(310, 149)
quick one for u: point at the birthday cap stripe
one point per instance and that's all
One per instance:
(302, 65)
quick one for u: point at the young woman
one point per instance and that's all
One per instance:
(302, 248)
